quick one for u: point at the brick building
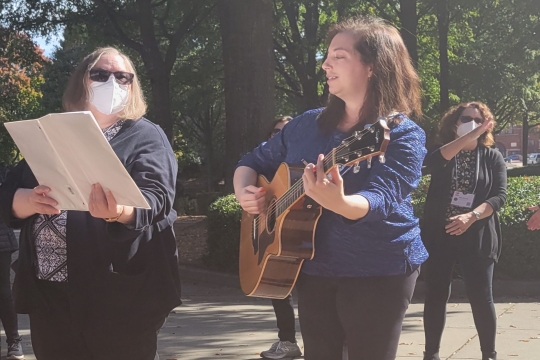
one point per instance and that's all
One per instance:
(509, 141)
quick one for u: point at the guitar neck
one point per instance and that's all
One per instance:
(297, 191)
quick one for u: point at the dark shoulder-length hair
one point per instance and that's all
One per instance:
(394, 85)
(447, 126)
(76, 95)
(279, 120)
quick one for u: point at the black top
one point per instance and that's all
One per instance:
(114, 271)
(483, 238)
(8, 241)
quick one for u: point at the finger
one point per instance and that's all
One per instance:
(42, 189)
(47, 210)
(309, 175)
(320, 170)
(43, 199)
(336, 176)
(259, 195)
(253, 197)
(111, 201)
(99, 195)
(533, 208)
(453, 218)
(253, 189)
(451, 225)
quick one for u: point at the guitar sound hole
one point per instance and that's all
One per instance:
(271, 217)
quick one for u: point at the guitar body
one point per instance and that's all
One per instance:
(273, 248)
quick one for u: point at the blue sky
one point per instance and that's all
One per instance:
(47, 46)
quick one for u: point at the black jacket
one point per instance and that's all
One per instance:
(114, 272)
(483, 238)
(8, 241)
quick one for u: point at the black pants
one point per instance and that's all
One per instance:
(286, 322)
(55, 336)
(478, 277)
(367, 312)
(7, 311)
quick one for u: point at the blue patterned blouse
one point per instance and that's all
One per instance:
(387, 240)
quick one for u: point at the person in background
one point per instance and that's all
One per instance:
(468, 187)
(99, 284)
(287, 346)
(8, 316)
(368, 249)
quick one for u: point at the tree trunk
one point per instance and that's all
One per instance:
(443, 25)
(161, 98)
(409, 27)
(246, 29)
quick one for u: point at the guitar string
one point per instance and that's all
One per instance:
(327, 160)
(291, 193)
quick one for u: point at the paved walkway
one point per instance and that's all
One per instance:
(221, 323)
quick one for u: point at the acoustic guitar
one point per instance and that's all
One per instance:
(275, 243)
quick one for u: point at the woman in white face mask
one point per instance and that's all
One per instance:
(460, 224)
(99, 284)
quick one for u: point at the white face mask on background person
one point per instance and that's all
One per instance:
(108, 97)
(466, 128)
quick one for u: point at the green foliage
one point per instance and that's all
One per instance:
(521, 247)
(224, 217)
(21, 65)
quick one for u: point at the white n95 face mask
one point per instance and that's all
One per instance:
(466, 128)
(108, 97)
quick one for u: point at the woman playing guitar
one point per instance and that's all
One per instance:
(368, 249)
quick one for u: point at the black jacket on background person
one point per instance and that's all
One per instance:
(483, 238)
(115, 272)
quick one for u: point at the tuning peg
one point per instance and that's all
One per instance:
(369, 163)
(382, 158)
(356, 168)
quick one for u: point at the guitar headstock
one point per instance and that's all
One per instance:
(364, 144)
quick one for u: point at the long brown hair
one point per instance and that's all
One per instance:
(76, 95)
(394, 85)
(447, 126)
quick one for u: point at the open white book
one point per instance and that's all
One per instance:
(68, 153)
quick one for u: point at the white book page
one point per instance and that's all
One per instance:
(87, 156)
(45, 164)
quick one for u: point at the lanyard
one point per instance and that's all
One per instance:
(477, 170)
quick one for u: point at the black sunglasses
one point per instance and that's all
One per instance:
(465, 119)
(102, 75)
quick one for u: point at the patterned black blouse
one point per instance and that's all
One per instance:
(464, 180)
(50, 235)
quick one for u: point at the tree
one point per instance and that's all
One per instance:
(246, 28)
(156, 30)
(21, 64)
(443, 26)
